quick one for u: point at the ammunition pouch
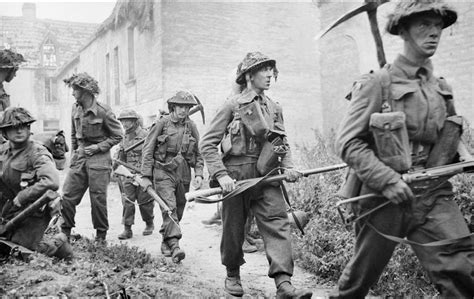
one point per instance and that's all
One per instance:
(445, 149)
(270, 156)
(161, 147)
(253, 119)
(172, 165)
(391, 139)
(233, 142)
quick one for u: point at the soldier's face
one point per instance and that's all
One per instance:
(181, 111)
(127, 123)
(18, 134)
(422, 35)
(261, 79)
(77, 94)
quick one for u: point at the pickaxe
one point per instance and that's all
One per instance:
(369, 6)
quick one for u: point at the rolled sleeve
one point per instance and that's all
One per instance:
(209, 144)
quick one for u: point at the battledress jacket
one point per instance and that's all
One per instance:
(220, 126)
(97, 125)
(425, 100)
(35, 164)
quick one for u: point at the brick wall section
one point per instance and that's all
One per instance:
(204, 42)
(453, 60)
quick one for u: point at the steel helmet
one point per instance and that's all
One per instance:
(182, 98)
(10, 59)
(252, 61)
(406, 9)
(128, 113)
(15, 116)
(85, 81)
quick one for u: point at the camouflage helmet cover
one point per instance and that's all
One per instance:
(128, 114)
(10, 59)
(15, 116)
(252, 61)
(182, 98)
(83, 80)
(406, 9)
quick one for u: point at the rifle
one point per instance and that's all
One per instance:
(121, 170)
(249, 183)
(129, 166)
(419, 181)
(15, 221)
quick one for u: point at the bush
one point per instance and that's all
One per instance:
(327, 245)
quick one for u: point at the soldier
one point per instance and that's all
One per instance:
(94, 131)
(56, 144)
(242, 139)
(9, 64)
(130, 192)
(27, 172)
(418, 103)
(169, 152)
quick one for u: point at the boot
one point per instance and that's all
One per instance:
(232, 284)
(100, 236)
(149, 229)
(165, 249)
(287, 291)
(177, 254)
(248, 248)
(215, 219)
(127, 233)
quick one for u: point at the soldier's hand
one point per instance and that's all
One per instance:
(398, 192)
(292, 175)
(16, 202)
(146, 182)
(197, 182)
(227, 183)
(91, 149)
(55, 206)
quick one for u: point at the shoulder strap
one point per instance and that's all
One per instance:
(385, 81)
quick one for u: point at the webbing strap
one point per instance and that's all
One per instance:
(429, 244)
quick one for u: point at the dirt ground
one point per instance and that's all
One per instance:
(201, 272)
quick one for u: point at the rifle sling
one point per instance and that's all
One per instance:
(429, 244)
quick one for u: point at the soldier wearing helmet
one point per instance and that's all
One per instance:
(131, 193)
(406, 90)
(27, 171)
(169, 153)
(246, 123)
(95, 129)
(9, 64)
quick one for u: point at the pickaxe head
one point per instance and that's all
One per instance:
(198, 107)
(369, 6)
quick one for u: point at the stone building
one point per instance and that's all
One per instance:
(146, 51)
(46, 45)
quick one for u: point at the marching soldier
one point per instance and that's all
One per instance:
(249, 124)
(94, 131)
(169, 153)
(131, 193)
(414, 105)
(27, 171)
